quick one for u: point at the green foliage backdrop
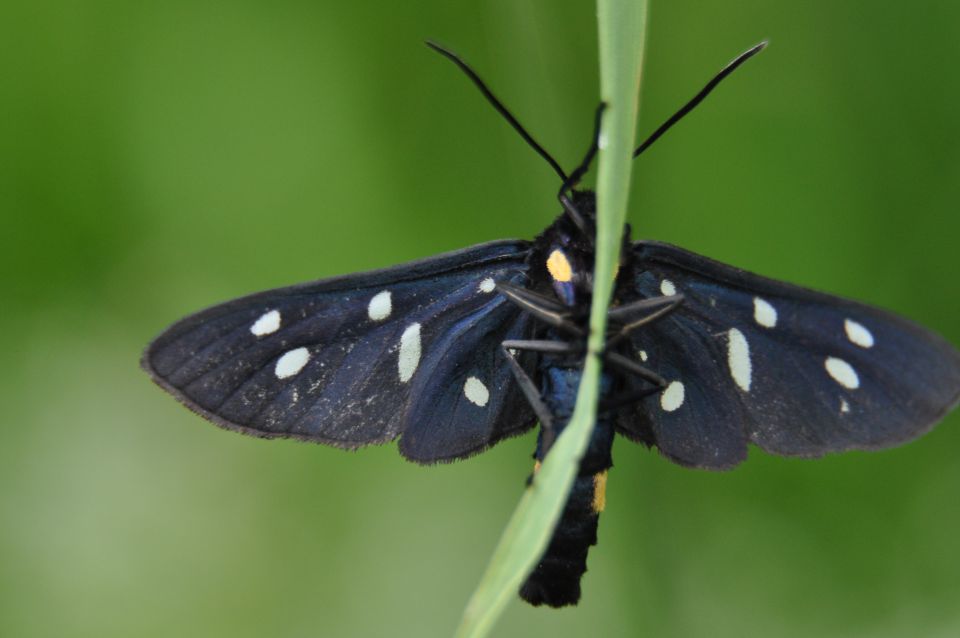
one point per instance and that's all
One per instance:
(158, 157)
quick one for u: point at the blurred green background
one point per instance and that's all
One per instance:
(161, 156)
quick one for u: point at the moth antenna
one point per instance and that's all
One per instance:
(578, 173)
(498, 105)
(699, 97)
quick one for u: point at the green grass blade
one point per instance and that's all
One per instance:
(621, 28)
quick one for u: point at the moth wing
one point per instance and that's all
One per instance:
(360, 359)
(797, 372)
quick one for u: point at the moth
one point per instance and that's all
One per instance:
(456, 352)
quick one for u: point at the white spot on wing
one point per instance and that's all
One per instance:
(291, 363)
(380, 306)
(842, 372)
(488, 285)
(763, 313)
(672, 396)
(409, 357)
(268, 323)
(643, 355)
(738, 358)
(858, 334)
(844, 406)
(476, 392)
(667, 288)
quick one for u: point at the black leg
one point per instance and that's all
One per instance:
(530, 391)
(574, 214)
(543, 314)
(632, 367)
(643, 307)
(552, 347)
(660, 307)
(535, 297)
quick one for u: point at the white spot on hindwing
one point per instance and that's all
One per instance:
(291, 363)
(738, 359)
(763, 313)
(268, 323)
(844, 406)
(667, 288)
(380, 306)
(842, 372)
(858, 334)
(409, 357)
(488, 285)
(672, 397)
(643, 355)
(476, 392)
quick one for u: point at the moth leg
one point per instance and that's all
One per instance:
(573, 213)
(529, 389)
(660, 307)
(552, 347)
(543, 301)
(578, 173)
(527, 303)
(629, 366)
(624, 312)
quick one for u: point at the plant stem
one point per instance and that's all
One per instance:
(622, 26)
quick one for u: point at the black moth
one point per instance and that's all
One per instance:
(456, 352)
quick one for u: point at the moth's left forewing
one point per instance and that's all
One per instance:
(340, 361)
(805, 372)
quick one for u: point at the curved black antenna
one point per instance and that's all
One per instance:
(704, 92)
(578, 173)
(498, 105)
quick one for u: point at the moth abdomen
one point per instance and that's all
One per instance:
(556, 579)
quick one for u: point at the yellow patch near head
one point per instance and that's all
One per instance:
(599, 491)
(559, 267)
(536, 467)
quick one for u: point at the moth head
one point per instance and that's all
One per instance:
(564, 254)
